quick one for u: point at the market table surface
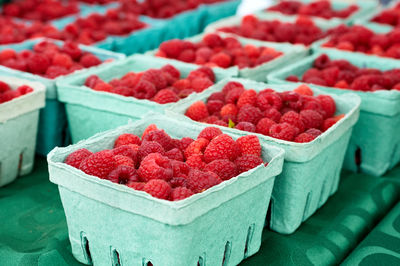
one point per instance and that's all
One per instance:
(360, 224)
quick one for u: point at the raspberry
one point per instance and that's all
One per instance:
(213, 40)
(266, 100)
(234, 94)
(124, 160)
(136, 185)
(144, 90)
(180, 169)
(89, 60)
(182, 84)
(126, 139)
(38, 64)
(72, 49)
(247, 162)
(292, 78)
(313, 131)
(200, 84)
(172, 71)
(249, 113)
(155, 77)
(247, 97)
(184, 143)
(293, 119)
(181, 193)
(99, 164)
(149, 147)
(311, 119)
(210, 119)
(249, 144)
(4, 87)
(264, 125)
(198, 181)
(224, 169)
(155, 166)
(209, 133)
(148, 129)
(174, 154)
(208, 72)
(91, 81)
(123, 175)
(24, 89)
(328, 104)
(304, 137)
(178, 182)
(196, 147)
(221, 147)
(161, 137)
(283, 131)
(62, 60)
(158, 188)
(229, 109)
(7, 54)
(304, 90)
(172, 48)
(220, 123)
(330, 122)
(187, 56)
(195, 161)
(221, 59)
(246, 126)
(214, 106)
(217, 96)
(76, 158)
(272, 114)
(197, 111)
(232, 85)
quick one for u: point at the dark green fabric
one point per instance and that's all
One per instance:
(33, 229)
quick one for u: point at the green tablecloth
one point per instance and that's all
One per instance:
(33, 229)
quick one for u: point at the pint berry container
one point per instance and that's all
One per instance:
(18, 129)
(311, 172)
(112, 224)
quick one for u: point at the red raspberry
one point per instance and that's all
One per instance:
(209, 133)
(221, 147)
(330, 122)
(203, 55)
(304, 137)
(174, 72)
(229, 109)
(181, 193)
(123, 175)
(246, 126)
(293, 119)
(304, 90)
(180, 169)
(198, 181)
(230, 86)
(266, 100)
(89, 60)
(249, 144)
(149, 147)
(155, 166)
(99, 164)
(38, 64)
(148, 129)
(247, 97)
(213, 40)
(249, 113)
(178, 182)
(311, 119)
(7, 54)
(76, 158)
(4, 87)
(207, 71)
(161, 137)
(62, 60)
(155, 77)
(196, 162)
(158, 188)
(91, 81)
(174, 154)
(221, 59)
(200, 84)
(247, 162)
(165, 96)
(220, 123)
(328, 104)
(313, 131)
(196, 147)
(234, 94)
(283, 131)
(126, 139)
(224, 169)
(72, 49)
(187, 56)
(172, 48)
(144, 90)
(273, 114)
(197, 111)
(124, 160)
(182, 84)
(24, 89)
(136, 185)
(214, 106)
(217, 96)
(211, 119)
(184, 143)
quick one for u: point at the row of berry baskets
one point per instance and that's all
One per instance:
(199, 130)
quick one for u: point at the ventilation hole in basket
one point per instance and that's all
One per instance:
(85, 248)
(308, 202)
(21, 157)
(248, 239)
(227, 253)
(358, 159)
(269, 213)
(200, 262)
(115, 259)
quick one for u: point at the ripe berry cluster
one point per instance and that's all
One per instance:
(48, 60)
(302, 31)
(214, 51)
(344, 75)
(322, 8)
(292, 115)
(361, 39)
(389, 16)
(40, 10)
(98, 2)
(159, 85)
(7, 94)
(96, 27)
(171, 169)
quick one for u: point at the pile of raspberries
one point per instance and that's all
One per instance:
(342, 74)
(291, 115)
(389, 16)
(321, 8)
(215, 51)
(7, 94)
(302, 31)
(163, 85)
(168, 168)
(361, 39)
(49, 60)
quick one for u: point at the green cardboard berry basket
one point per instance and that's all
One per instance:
(376, 135)
(18, 128)
(366, 8)
(52, 122)
(311, 171)
(220, 10)
(90, 112)
(290, 53)
(112, 224)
